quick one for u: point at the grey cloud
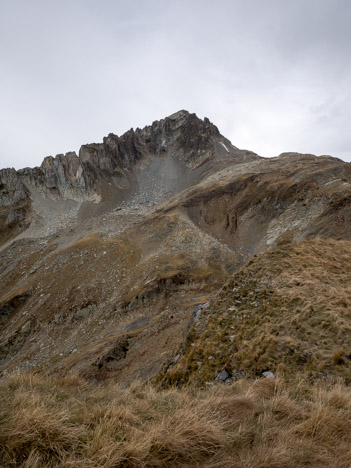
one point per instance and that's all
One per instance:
(274, 76)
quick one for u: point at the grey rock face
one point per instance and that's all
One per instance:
(12, 189)
(58, 178)
(114, 164)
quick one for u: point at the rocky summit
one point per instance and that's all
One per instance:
(169, 254)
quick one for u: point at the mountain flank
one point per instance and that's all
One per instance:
(170, 300)
(107, 257)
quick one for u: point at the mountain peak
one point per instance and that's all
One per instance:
(179, 114)
(167, 155)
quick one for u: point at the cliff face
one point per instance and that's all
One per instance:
(14, 204)
(182, 136)
(12, 189)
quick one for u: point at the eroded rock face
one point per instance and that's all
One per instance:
(115, 162)
(14, 205)
(12, 188)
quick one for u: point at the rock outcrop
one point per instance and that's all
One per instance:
(184, 137)
(14, 204)
(143, 166)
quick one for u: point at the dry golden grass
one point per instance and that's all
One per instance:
(264, 423)
(287, 311)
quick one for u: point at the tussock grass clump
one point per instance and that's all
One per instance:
(265, 423)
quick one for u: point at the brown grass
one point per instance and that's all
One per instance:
(263, 423)
(287, 311)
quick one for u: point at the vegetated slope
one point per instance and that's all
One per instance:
(268, 423)
(288, 311)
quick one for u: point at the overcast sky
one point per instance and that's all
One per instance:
(273, 75)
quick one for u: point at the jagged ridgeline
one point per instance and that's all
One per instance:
(128, 261)
(142, 166)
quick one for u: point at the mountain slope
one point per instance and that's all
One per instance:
(117, 250)
(141, 167)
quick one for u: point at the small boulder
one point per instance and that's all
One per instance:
(222, 376)
(26, 327)
(268, 374)
(238, 374)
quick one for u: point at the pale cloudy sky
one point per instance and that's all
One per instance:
(273, 75)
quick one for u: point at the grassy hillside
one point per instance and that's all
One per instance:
(256, 424)
(287, 311)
